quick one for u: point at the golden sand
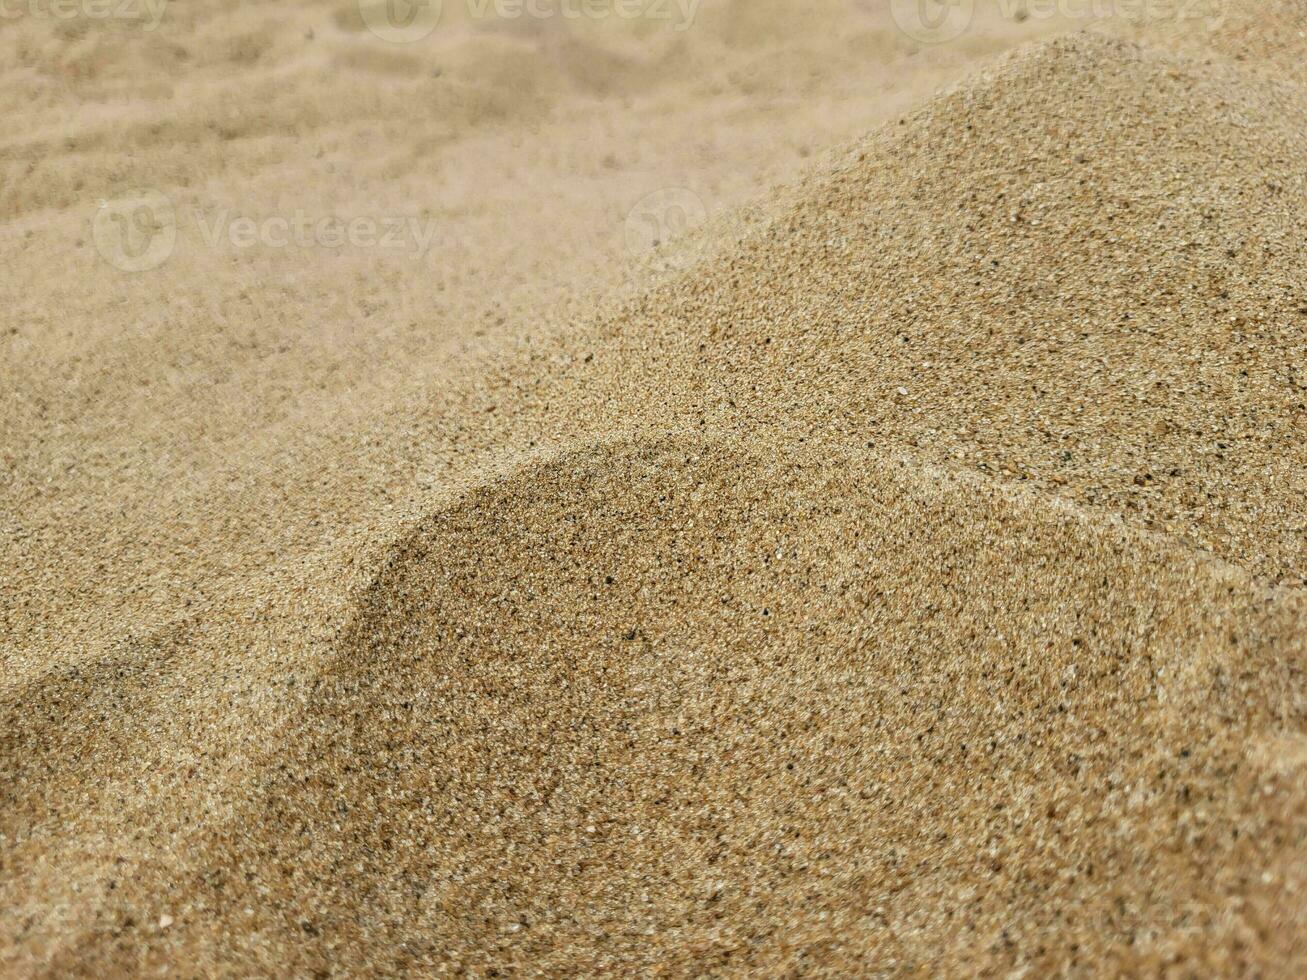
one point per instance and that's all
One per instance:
(902, 573)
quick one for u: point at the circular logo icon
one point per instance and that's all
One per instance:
(401, 21)
(135, 233)
(661, 216)
(933, 21)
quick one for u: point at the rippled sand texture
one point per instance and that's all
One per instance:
(902, 572)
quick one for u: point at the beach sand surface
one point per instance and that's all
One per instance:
(899, 568)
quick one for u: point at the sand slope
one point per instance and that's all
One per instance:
(682, 704)
(915, 583)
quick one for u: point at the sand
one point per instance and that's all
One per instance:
(903, 571)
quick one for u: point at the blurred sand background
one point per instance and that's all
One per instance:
(899, 568)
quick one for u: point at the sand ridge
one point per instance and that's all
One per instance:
(570, 804)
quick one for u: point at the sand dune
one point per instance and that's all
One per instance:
(902, 574)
